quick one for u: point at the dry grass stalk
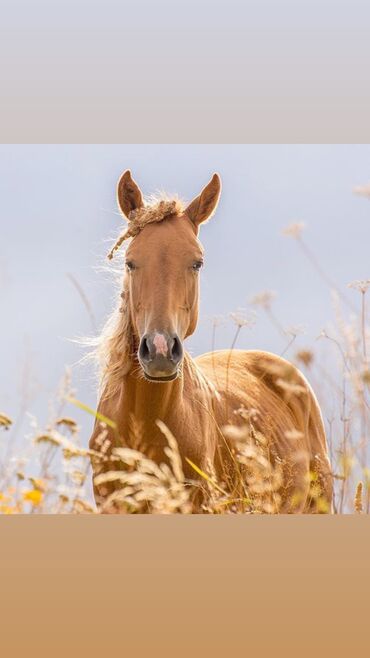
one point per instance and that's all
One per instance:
(358, 499)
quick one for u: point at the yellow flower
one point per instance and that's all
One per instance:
(34, 496)
(4, 509)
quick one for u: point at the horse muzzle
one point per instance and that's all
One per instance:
(160, 355)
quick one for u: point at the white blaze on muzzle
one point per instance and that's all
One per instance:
(160, 344)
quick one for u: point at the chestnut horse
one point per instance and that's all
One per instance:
(149, 376)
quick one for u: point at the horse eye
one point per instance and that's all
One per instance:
(197, 265)
(130, 265)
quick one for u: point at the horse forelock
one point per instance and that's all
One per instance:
(155, 209)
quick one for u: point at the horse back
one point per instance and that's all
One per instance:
(274, 395)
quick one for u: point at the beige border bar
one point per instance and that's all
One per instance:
(184, 586)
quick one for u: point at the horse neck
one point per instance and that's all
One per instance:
(147, 401)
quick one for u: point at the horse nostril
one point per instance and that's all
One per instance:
(176, 350)
(162, 349)
(144, 351)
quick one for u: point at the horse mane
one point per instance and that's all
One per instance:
(115, 347)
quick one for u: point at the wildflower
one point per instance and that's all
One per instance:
(4, 509)
(34, 496)
(5, 421)
(366, 377)
(360, 285)
(263, 299)
(295, 330)
(362, 190)
(305, 356)
(38, 484)
(218, 320)
(294, 230)
(78, 477)
(241, 319)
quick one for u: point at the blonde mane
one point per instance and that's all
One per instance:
(115, 347)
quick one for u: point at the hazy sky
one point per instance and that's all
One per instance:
(58, 210)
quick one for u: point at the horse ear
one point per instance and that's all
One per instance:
(204, 205)
(128, 194)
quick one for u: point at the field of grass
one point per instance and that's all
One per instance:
(51, 471)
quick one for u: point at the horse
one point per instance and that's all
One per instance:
(148, 376)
